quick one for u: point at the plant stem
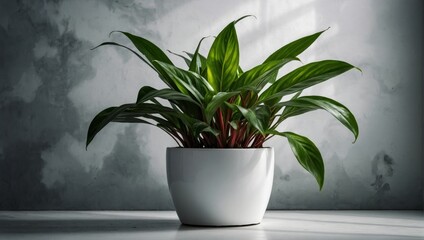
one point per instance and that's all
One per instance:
(222, 126)
(233, 137)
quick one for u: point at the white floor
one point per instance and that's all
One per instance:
(165, 225)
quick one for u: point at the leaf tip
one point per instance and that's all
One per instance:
(356, 138)
(91, 49)
(245, 16)
(320, 182)
(357, 68)
(114, 31)
(298, 59)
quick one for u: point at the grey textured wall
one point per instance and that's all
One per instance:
(51, 86)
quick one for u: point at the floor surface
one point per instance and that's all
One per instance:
(165, 225)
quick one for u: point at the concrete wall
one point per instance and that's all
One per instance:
(51, 86)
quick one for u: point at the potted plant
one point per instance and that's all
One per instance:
(220, 116)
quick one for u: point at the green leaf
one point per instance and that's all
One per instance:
(129, 49)
(202, 62)
(141, 109)
(233, 124)
(164, 116)
(102, 119)
(239, 71)
(196, 64)
(307, 154)
(127, 112)
(251, 118)
(186, 82)
(147, 48)
(309, 103)
(130, 120)
(223, 59)
(148, 93)
(152, 53)
(186, 60)
(260, 74)
(303, 77)
(145, 91)
(185, 102)
(263, 114)
(294, 48)
(200, 127)
(216, 102)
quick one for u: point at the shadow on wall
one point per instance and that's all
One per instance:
(34, 114)
(42, 62)
(340, 190)
(122, 182)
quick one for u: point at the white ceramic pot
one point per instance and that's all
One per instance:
(220, 187)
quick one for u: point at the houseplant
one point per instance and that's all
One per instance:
(220, 116)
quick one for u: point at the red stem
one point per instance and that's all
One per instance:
(241, 133)
(222, 125)
(248, 140)
(233, 137)
(206, 139)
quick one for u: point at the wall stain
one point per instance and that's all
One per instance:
(29, 128)
(382, 169)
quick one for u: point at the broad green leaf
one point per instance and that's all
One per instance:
(251, 118)
(310, 103)
(102, 119)
(307, 154)
(187, 82)
(303, 77)
(130, 120)
(147, 48)
(140, 109)
(194, 125)
(204, 65)
(291, 50)
(145, 91)
(164, 116)
(223, 59)
(148, 93)
(129, 49)
(152, 53)
(277, 107)
(216, 102)
(131, 114)
(263, 114)
(256, 76)
(239, 71)
(200, 127)
(294, 48)
(202, 62)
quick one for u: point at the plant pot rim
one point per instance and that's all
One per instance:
(221, 149)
